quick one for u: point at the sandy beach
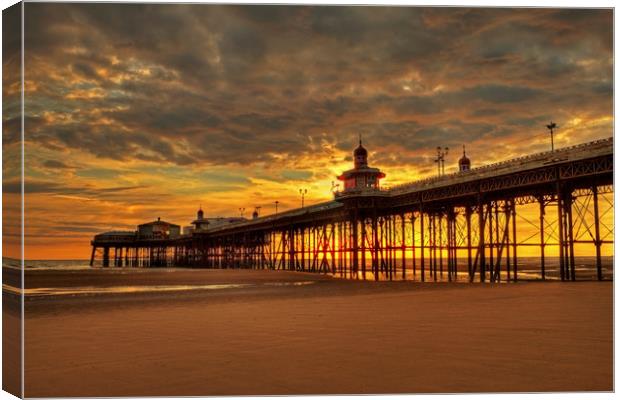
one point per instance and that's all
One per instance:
(325, 336)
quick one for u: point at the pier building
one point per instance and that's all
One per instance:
(158, 230)
(362, 176)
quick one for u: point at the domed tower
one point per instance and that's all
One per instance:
(360, 156)
(464, 163)
(200, 223)
(361, 176)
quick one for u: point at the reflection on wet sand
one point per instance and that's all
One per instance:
(91, 290)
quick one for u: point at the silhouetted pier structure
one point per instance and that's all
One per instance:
(424, 229)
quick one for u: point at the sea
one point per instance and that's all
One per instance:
(528, 268)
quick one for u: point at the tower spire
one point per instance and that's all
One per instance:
(464, 162)
(360, 155)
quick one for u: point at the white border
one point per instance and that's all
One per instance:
(478, 3)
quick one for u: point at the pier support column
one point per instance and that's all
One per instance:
(560, 196)
(285, 244)
(92, 256)
(340, 247)
(514, 240)
(355, 243)
(597, 234)
(568, 212)
(451, 244)
(506, 243)
(363, 254)
(433, 228)
(303, 248)
(333, 246)
(481, 246)
(421, 244)
(413, 261)
(292, 249)
(491, 244)
(441, 246)
(106, 256)
(324, 247)
(403, 247)
(541, 202)
(468, 228)
(497, 244)
(346, 240)
(375, 247)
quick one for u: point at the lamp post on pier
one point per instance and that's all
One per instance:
(440, 160)
(551, 127)
(335, 187)
(303, 193)
(256, 212)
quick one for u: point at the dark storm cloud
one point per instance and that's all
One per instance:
(85, 70)
(41, 186)
(207, 84)
(11, 130)
(499, 93)
(529, 121)
(416, 104)
(78, 229)
(55, 164)
(485, 112)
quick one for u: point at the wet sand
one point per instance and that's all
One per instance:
(328, 337)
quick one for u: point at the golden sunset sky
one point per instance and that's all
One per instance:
(135, 111)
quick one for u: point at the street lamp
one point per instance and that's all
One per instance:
(277, 202)
(303, 193)
(551, 127)
(241, 211)
(440, 160)
(335, 187)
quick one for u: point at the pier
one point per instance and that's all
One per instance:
(428, 229)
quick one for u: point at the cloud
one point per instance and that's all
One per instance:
(222, 75)
(129, 105)
(38, 186)
(55, 164)
(495, 93)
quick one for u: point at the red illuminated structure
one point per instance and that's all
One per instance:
(361, 176)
